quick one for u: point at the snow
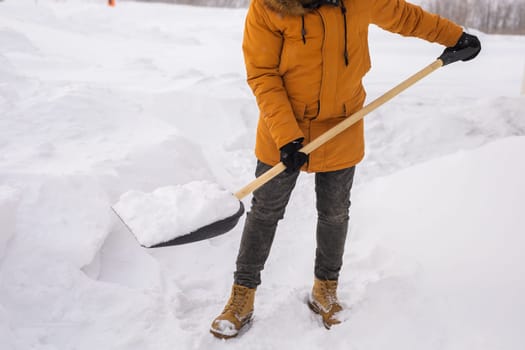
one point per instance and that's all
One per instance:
(96, 101)
(225, 328)
(479, 305)
(173, 211)
(8, 203)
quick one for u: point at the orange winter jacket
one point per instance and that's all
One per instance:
(305, 69)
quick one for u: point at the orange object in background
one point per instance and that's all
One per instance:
(111, 3)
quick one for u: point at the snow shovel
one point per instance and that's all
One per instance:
(228, 222)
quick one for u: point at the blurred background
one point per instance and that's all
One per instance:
(489, 16)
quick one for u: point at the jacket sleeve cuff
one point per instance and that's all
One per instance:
(284, 138)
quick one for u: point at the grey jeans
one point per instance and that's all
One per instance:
(268, 206)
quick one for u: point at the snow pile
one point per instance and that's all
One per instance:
(95, 101)
(446, 250)
(173, 211)
(8, 205)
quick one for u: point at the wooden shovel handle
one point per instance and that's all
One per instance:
(279, 168)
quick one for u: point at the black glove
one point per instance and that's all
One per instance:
(467, 47)
(291, 157)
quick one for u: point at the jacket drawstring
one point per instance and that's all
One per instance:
(303, 30)
(343, 10)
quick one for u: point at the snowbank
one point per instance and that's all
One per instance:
(446, 240)
(8, 204)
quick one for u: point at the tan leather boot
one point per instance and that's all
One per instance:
(323, 301)
(236, 314)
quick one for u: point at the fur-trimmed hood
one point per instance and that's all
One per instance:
(288, 7)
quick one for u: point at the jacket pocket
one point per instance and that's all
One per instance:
(303, 111)
(355, 103)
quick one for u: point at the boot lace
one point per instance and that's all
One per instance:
(329, 290)
(238, 301)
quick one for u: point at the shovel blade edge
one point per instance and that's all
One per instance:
(209, 231)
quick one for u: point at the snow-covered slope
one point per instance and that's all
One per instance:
(95, 101)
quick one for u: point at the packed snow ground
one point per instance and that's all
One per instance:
(96, 101)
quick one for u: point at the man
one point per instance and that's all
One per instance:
(305, 60)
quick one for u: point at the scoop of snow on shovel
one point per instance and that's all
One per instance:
(174, 211)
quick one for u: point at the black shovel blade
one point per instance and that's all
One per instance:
(209, 231)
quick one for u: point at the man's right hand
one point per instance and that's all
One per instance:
(291, 157)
